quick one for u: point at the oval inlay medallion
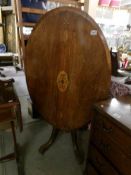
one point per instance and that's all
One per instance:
(62, 81)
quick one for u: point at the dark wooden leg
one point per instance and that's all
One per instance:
(16, 152)
(78, 153)
(51, 140)
(14, 137)
(7, 158)
(10, 156)
(34, 112)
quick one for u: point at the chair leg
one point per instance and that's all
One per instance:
(14, 139)
(16, 152)
(10, 156)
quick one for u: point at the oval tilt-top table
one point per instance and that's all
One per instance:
(67, 67)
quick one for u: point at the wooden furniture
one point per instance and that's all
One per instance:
(6, 11)
(8, 35)
(110, 140)
(10, 116)
(7, 59)
(68, 64)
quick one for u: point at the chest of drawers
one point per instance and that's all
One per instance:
(109, 150)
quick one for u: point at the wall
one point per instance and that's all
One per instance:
(90, 7)
(112, 21)
(112, 16)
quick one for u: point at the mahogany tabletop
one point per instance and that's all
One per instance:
(67, 67)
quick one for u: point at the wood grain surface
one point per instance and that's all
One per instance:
(67, 67)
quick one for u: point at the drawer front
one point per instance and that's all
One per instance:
(112, 152)
(103, 166)
(106, 128)
(90, 170)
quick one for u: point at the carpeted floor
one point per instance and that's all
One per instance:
(58, 160)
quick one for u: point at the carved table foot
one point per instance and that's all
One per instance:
(51, 140)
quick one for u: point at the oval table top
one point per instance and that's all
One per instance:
(67, 67)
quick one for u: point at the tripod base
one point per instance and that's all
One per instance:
(51, 140)
(78, 153)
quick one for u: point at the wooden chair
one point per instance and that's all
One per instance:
(10, 116)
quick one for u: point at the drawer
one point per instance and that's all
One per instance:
(112, 152)
(100, 163)
(90, 170)
(106, 128)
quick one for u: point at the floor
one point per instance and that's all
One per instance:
(58, 160)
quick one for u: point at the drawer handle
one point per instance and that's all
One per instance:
(108, 130)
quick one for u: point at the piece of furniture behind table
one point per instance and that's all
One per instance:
(10, 115)
(110, 139)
